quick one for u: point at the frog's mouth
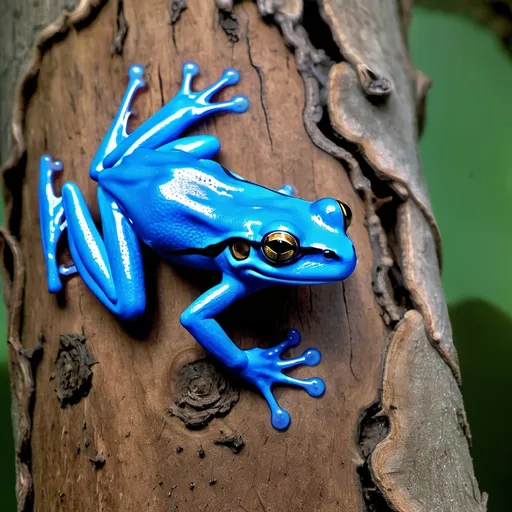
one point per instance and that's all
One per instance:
(291, 281)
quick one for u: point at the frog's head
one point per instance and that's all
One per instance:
(308, 246)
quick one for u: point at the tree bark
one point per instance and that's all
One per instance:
(336, 110)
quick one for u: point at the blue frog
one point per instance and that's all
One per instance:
(167, 192)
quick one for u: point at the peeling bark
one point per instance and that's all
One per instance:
(23, 363)
(413, 374)
(346, 126)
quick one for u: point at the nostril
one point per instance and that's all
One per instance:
(330, 255)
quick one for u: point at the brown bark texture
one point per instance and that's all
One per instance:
(134, 417)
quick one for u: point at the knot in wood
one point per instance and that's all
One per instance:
(202, 393)
(73, 374)
(373, 84)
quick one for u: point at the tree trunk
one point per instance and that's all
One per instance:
(336, 110)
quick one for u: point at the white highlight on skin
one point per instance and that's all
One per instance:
(307, 265)
(318, 220)
(89, 239)
(249, 224)
(211, 297)
(123, 246)
(189, 183)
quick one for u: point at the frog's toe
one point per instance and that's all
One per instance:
(279, 417)
(190, 70)
(47, 168)
(136, 72)
(57, 165)
(231, 76)
(314, 386)
(202, 99)
(292, 340)
(240, 103)
(311, 357)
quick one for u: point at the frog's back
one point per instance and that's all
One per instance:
(183, 204)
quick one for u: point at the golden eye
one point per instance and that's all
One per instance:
(347, 212)
(240, 250)
(280, 246)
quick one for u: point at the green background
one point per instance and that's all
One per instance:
(468, 164)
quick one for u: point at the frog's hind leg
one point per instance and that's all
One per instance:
(118, 130)
(111, 266)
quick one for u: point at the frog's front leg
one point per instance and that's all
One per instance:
(184, 109)
(111, 266)
(118, 130)
(260, 367)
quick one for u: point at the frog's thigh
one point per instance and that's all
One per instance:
(201, 146)
(111, 266)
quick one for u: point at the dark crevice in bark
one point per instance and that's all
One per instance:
(319, 32)
(121, 30)
(373, 428)
(228, 21)
(374, 192)
(379, 198)
(160, 87)
(260, 78)
(176, 8)
(350, 337)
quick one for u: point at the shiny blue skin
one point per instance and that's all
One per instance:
(166, 192)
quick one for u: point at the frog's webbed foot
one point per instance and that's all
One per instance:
(264, 369)
(201, 99)
(184, 109)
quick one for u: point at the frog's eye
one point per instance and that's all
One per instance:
(280, 246)
(240, 250)
(347, 212)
